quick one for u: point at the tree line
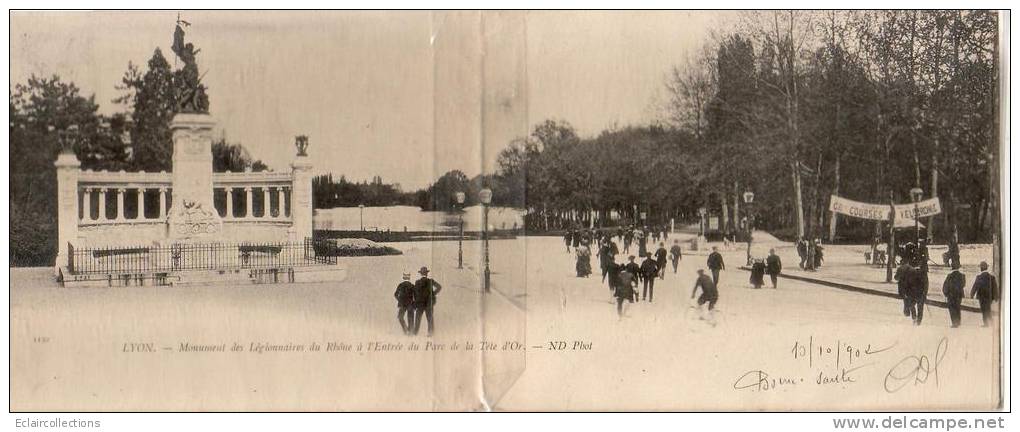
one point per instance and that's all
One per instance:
(798, 105)
(793, 106)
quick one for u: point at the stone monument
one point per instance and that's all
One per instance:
(192, 213)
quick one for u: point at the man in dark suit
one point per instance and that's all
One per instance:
(773, 266)
(405, 299)
(613, 270)
(660, 260)
(986, 289)
(605, 259)
(902, 281)
(634, 269)
(916, 292)
(425, 291)
(953, 288)
(649, 271)
(715, 264)
(675, 254)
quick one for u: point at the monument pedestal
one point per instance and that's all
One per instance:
(192, 214)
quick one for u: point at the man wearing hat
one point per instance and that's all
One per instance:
(715, 264)
(649, 271)
(424, 297)
(405, 298)
(660, 260)
(634, 268)
(953, 288)
(986, 289)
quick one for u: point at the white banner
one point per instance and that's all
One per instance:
(880, 212)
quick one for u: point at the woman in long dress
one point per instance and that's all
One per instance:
(758, 274)
(583, 266)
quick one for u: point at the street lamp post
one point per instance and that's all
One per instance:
(485, 196)
(460, 240)
(702, 212)
(748, 199)
(361, 211)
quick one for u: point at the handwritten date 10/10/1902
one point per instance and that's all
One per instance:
(913, 369)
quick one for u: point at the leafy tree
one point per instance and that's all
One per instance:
(46, 114)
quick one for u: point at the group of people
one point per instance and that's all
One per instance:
(811, 253)
(912, 287)
(583, 241)
(624, 278)
(416, 300)
(772, 265)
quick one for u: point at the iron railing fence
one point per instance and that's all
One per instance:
(199, 256)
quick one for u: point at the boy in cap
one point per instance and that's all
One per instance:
(709, 293)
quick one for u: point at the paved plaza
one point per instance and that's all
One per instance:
(660, 354)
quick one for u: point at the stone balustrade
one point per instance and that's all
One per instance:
(139, 208)
(243, 197)
(132, 207)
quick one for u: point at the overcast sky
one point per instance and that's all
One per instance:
(395, 94)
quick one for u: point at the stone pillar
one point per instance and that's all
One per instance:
(102, 205)
(279, 203)
(193, 214)
(229, 214)
(267, 204)
(301, 199)
(140, 200)
(86, 203)
(162, 202)
(120, 204)
(67, 203)
(249, 207)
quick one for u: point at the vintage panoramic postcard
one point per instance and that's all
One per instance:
(507, 210)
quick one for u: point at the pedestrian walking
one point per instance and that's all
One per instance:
(642, 238)
(605, 259)
(405, 300)
(986, 290)
(819, 254)
(675, 254)
(614, 271)
(633, 268)
(660, 260)
(709, 294)
(916, 292)
(566, 240)
(902, 281)
(774, 266)
(583, 266)
(757, 273)
(425, 291)
(715, 264)
(810, 259)
(953, 289)
(624, 291)
(649, 271)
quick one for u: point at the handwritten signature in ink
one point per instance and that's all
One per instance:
(916, 369)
